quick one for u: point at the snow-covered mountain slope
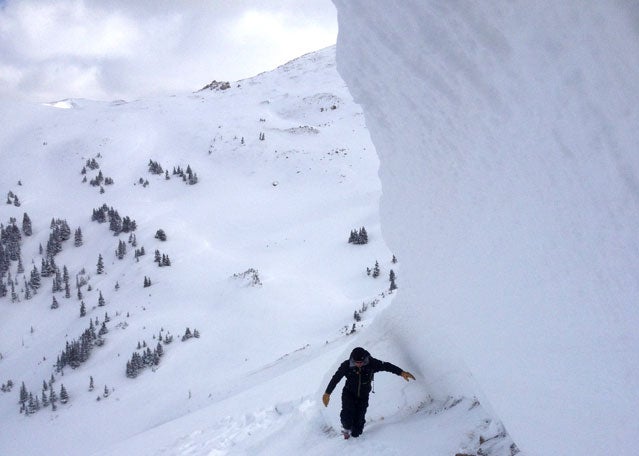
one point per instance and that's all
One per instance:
(508, 143)
(283, 205)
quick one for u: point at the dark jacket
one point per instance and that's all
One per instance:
(359, 380)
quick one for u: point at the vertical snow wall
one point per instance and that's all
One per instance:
(508, 134)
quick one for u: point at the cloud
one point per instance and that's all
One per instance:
(108, 49)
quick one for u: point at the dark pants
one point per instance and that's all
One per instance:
(353, 412)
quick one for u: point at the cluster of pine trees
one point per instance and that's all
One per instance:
(78, 351)
(144, 357)
(60, 232)
(31, 403)
(7, 387)
(10, 250)
(139, 252)
(155, 167)
(375, 272)
(148, 358)
(188, 176)
(99, 179)
(188, 334)
(10, 238)
(92, 164)
(12, 198)
(121, 250)
(358, 237)
(162, 259)
(117, 224)
(160, 234)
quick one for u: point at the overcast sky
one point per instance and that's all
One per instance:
(125, 49)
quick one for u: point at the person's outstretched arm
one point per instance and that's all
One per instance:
(385, 366)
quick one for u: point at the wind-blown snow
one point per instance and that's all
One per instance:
(509, 148)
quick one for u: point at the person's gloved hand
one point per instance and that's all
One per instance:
(325, 398)
(407, 375)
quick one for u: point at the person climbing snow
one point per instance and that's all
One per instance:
(358, 370)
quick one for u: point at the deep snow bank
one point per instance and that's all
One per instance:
(509, 149)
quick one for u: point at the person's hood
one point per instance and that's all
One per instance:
(359, 354)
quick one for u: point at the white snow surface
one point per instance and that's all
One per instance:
(283, 206)
(509, 147)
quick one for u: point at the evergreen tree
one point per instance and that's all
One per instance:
(358, 237)
(91, 384)
(101, 301)
(376, 271)
(57, 282)
(166, 261)
(78, 241)
(100, 265)
(391, 277)
(64, 230)
(64, 396)
(24, 394)
(363, 236)
(83, 309)
(160, 234)
(121, 250)
(14, 295)
(53, 398)
(54, 303)
(31, 405)
(26, 225)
